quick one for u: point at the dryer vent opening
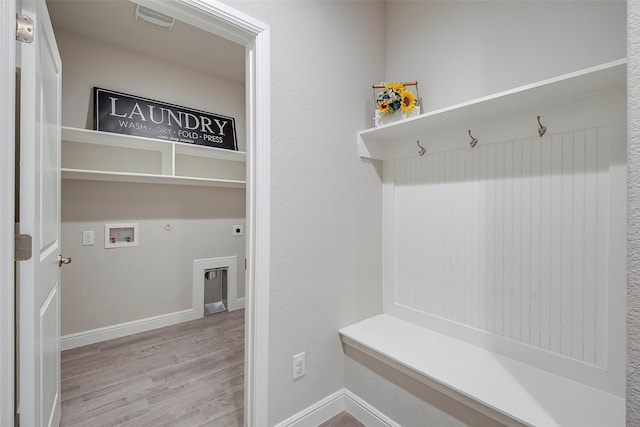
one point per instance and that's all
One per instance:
(215, 291)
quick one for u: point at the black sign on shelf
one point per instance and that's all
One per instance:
(131, 115)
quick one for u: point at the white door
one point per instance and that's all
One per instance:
(39, 213)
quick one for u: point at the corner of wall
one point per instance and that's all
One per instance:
(633, 209)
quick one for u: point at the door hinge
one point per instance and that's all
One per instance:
(245, 263)
(24, 28)
(23, 247)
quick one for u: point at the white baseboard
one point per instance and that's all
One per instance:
(316, 413)
(365, 413)
(332, 405)
(123, 329)
(197, 311)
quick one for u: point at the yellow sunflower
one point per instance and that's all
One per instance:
(398, 87)
(383, 106)
(408, 100)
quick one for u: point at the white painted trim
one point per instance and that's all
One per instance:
(7, 202)
(222, 20)
(259, 226)
(366, 413)
(317, 413)
(218, 18)
(128, 328)
(332, 405)
(200, 266)
(211, 16)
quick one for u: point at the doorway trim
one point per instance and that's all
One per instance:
(7, 206)
(217, 18)
(224, 21)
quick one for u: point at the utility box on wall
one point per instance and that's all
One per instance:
(215, 291)
(120, 235)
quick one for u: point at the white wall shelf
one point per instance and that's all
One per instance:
(102, 156)
(378, 143)
(499, 387)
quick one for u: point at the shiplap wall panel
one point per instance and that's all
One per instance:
(510, 238)
(602, 245)
(591, 252)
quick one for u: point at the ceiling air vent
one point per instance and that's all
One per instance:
(154, 19)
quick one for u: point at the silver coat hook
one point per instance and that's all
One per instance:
(421, 150)
(473, 141)
(541, 129)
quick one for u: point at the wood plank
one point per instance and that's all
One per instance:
(525, 275)
(566, 248)
(579, 233)
(591, 253)
(555, 303)
(535, 268)
(602, 274)
(546, 217)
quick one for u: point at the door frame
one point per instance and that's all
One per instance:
(222, 20)
(7, 209)
(219, 19)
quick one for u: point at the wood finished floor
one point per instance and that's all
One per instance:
(190, 374)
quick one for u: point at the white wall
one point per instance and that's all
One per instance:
(105, 287)
(464, 50)
(633, 209)
(326, 211)
(322, 49)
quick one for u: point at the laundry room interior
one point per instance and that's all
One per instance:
(453, 266)
(187, 205)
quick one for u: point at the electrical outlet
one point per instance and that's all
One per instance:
(299, 365)
(238, 230)
(88, 238)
